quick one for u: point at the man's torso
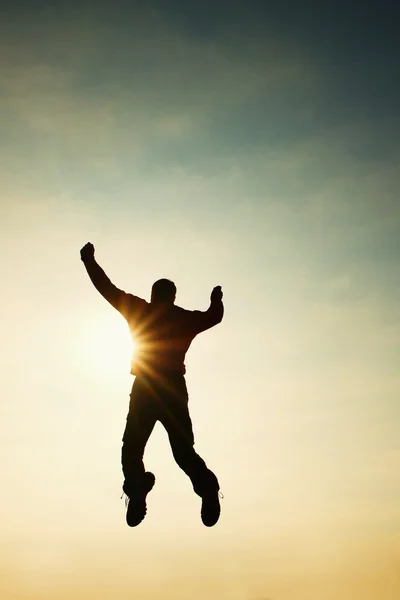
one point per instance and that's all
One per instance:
(162, 336)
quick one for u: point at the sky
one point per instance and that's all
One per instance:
(243, 144)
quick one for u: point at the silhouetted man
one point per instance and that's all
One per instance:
(163, 333)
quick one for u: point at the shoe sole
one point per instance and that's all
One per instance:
(137, 508)
(210, 509)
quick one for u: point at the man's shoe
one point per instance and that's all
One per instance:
(136, 500)
(210, 506)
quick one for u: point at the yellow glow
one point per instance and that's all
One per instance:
(108, 346)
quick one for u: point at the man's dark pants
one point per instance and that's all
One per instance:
(166, 400)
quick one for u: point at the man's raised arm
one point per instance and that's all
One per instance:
(214, 314)
(101, 282)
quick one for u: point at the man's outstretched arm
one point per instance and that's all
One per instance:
(116, 297)
(214, 314)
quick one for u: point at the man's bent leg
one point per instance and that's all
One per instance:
(139, 425)
(176, 420)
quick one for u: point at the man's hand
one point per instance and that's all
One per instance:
(216, 294)
(87, 252)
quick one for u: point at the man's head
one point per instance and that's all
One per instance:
(163, 292)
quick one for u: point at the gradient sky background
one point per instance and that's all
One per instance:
(248, 144)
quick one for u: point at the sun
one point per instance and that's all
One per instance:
(108, 346)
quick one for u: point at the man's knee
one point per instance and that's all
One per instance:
(180, 455)
(186, 457)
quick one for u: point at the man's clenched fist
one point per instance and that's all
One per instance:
(216, 294)
(87, 252)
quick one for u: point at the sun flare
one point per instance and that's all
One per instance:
(109, 347)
